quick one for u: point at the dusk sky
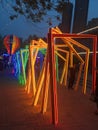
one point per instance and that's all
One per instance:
(22, 27)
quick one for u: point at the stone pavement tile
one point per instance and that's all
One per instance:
(76, 111)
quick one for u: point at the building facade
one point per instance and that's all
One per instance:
(80, 15)
(65, 26)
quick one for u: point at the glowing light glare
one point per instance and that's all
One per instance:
(1, 57)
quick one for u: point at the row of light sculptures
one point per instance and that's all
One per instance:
(48, 74)
(49, 69)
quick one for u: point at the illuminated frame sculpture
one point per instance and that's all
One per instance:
(22, 56)
(51, 37)
(35, 46)
(58, 34)
(49, 67)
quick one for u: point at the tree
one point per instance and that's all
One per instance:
(1, 43)
(93, 23)
(35, 9)
(2, 47)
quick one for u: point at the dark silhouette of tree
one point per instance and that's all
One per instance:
(34, 9)
(2, 47)
(1, 42)
(91, 24)
(28, 40)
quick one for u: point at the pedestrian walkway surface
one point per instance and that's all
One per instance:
(76, 111)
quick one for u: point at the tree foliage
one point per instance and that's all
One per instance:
(2, 47)
(93, 23)
(36, 9)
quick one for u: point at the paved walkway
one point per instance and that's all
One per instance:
(76, 111)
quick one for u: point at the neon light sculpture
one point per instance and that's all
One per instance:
(67, 38)
(35, 46)
(24, 59)
(20, 65)
(49, 66)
